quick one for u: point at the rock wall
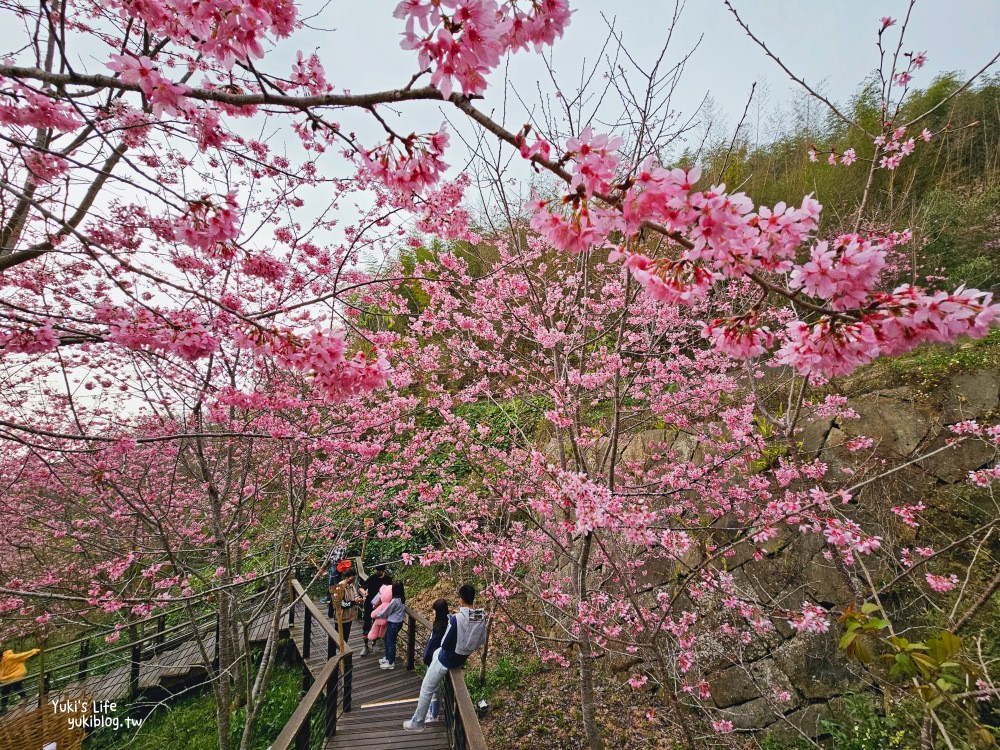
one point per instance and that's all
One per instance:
(906, 425)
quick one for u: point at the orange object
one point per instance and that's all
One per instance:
(343, 566)
(12, 667)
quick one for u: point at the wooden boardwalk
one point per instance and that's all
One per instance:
(381, 700)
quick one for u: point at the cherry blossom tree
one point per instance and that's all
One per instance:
(180, 348)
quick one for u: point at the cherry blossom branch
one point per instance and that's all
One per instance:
(813, 92)
(98, 81)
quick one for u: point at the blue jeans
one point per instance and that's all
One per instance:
(391, 633)
(435, 707)
(436, 673)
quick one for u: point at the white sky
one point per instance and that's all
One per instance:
(831, 43)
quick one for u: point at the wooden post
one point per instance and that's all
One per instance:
(161, 625)
(133, 673)
(336, 601)
(84, 656)
(411, 644)
(307, 634)
(348, 680)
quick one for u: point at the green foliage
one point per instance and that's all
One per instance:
(189, 723)
(508, 420)
(946, 191)
(961, 231)
(934, 671)
(771, 453)
(858, 726)
(866, 729)
(507, 674)
(936, 361)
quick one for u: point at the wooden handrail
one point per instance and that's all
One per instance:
(96, 630)
(301, 715)
(186, 626)
(308, 603)
(474, 737)
(424, 622)
(96, 662)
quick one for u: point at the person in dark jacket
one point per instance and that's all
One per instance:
(371, 585)
(438, 628)
(466, 632)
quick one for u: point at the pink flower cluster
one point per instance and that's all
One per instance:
(308, 73)
(166, 98)
(908, 514)
(463, 40)
(942, 584)
(406, 168)
(265, 266)
(226, 30)
(895, 148)
(844, 273)
(594, 505)
(181, 333)
(812, 619)
(210, 226)
(30, 109)
(594, 162)
(741, 337)
(722, 237)
(322, 355)
(35, 340)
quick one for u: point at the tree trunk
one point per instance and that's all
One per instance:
(587, 701)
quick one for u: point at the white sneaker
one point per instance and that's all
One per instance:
(383, 660)
(387, 665)
(409, 726)
(430, 719)
(365, 650)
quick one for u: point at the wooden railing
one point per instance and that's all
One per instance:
(151, 636)
(336, 676)
(298, 730)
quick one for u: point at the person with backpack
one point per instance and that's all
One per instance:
(465, 633)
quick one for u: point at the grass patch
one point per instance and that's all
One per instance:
(927, 365)
(189, 723)
(506, 674)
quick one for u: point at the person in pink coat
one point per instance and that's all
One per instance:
(379, 605)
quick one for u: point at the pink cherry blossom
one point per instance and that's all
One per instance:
(942, 584)
(812, 619)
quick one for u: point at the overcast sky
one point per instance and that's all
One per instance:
(830, 43)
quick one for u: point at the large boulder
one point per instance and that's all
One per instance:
(968, 395)
(745, 683)
(898, 423)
